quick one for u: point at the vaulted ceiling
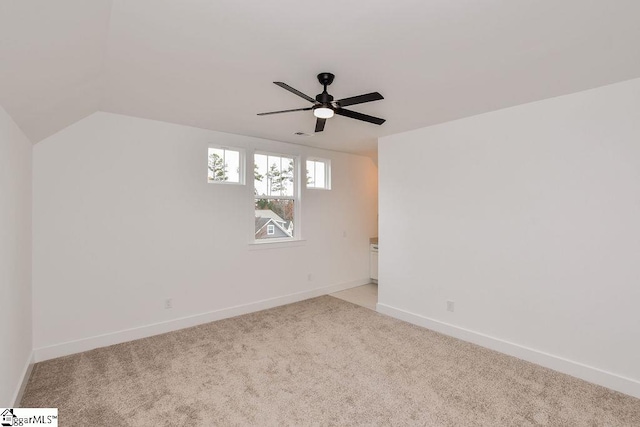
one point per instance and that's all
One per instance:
(211, 64)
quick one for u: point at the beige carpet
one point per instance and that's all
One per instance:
(318, 362)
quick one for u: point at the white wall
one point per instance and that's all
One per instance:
(15, 258)
(528, 219)
(124, 218)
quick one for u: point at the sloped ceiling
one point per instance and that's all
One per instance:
(211, 64)
(52, 62)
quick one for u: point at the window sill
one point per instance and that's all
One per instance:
(255, 246)
(224, 182)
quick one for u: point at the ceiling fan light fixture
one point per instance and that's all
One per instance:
(323, 112)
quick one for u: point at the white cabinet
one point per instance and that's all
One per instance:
(373, 262)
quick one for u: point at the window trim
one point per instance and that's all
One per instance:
(276, 244)
(296, 198)
(271, 229)
(327, 172)
(242, 164)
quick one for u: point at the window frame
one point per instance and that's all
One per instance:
(242, 164)
(327, 173)
(296, 198)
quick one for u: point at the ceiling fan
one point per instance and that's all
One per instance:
(324, 107)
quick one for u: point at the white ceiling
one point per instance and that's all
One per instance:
(211, 64)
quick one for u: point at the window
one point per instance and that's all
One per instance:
(319, 174)
(275, 196)
(226, 166)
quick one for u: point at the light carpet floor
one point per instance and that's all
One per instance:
(322, 361)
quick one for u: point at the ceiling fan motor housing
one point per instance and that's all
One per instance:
(324, 98)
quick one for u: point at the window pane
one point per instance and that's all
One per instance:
(311, 174)
(274, 175)
(318, 174)
(224, 165)
(232, 160)
(216, 165)
(260, 174)
(278, 213)
(287, 175)
(320, 182)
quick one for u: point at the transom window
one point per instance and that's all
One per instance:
(275, 196)
(226, 165)
(319, 174)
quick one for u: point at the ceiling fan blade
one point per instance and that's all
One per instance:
(360, 99)
(285, 111)
(320, 124)
(359, 116)
(296, 91)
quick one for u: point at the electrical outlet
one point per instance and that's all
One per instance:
(344, 233)
(450, 306)
(310, 277)
(168, 303)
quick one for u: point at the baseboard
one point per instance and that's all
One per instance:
(26, 373)
(78, 346)
(575, 369)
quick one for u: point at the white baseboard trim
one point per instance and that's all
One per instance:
(85, 344)
(24, 379)
(588, 373)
